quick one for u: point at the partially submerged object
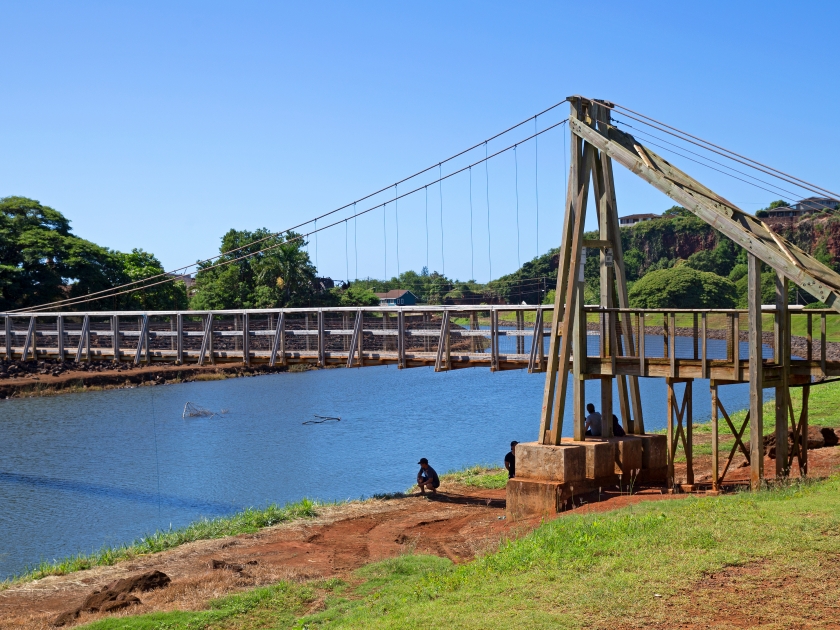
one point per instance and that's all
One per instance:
(323, 419)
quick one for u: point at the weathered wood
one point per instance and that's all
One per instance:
(115, 336)
(822, 343)
(715, 437)
(142, 338)
(781, 356)
(736, 347)
(60, 332)
(595, 243)
(579, 356)
(724, 216)
(179, 346)
(207, 339)
(440, 359)
(246, 339)
(8, 330)
(401, 340)
(688, 419)
(756, 374)
(672, 344)
(29, 341)
(642, 344)
(84, 339)
(704, 351)
(803, 429)
(672, 446)
(322, 357)
(534, 360)
(570, 244)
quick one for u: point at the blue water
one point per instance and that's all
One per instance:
(83, 470)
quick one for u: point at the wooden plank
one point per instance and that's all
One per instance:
(736, 347)
(579, 361)
(724, 216)
(803, 430)
(694, 336)
(688, 418)
(595, 243)
(7, 324)
(606, 286)
(275, 343)
(322, 356)
(536, 343)
(781, 356)
(809, 339)
(756, 373)
(704, 348)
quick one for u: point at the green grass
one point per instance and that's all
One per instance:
(594, 570)
(244, 522)
(478, 477)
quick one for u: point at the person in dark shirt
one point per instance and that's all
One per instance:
(427, 478)
(617, 430)
(510, 460)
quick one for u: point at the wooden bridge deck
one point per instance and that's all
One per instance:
(443, 337)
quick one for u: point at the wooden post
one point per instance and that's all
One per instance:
(672, 344)
(246, 340)
(756, 374)
(781, 356)
(694, 336)
(670, 431)
(60, 331)
(579, 354)
(688, 422)
(565, 295)
(115, 336)
(8, 329)
(822, 344)
(715, 437)
(400, 339)
(704, 360)
(322, 354)
(641, 344)
(179, 331)
(803, 431)
(736, 346)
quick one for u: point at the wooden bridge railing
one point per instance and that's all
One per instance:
(671, 343)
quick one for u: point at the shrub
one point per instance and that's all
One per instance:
(683, 287)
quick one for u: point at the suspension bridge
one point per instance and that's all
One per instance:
(570, 342)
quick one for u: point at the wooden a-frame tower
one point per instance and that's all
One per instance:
(596, 143)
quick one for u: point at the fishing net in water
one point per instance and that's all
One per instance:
(323, 419)
(192, 410)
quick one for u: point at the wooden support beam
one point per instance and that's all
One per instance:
(534, 358)
(207, 339)
(557, 367)
(278, 340)
(704, 349)
(142, 339)
(401, 340)
(781, 356)
(442, 359)
(84, 339)
(29, 341)
(744, 229)
(756, 373)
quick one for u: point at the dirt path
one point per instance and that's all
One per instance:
(460, 524)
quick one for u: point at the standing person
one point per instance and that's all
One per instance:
(427, 478)
(593, 421)
(510, 460)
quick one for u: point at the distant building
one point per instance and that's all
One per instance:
(397, 297)
(186, 278)
(633, 219)
(801, 208)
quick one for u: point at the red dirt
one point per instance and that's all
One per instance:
(459, 524)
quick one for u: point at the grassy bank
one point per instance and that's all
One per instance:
(244, 522)
(648, 564)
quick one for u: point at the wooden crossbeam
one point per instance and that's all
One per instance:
(534, 358)
(84, 339)
(30, 333)
(744, 229)
(143, 339)
(206, 340)
(442, 358)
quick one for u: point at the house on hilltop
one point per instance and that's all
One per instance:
(801, 208)
(633, 219)
(397, 297)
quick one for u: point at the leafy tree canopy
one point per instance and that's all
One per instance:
(279, 277)
(682, 287)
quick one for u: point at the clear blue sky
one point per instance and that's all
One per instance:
(161, 125)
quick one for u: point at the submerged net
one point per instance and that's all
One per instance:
(192, 410)
(323, 419)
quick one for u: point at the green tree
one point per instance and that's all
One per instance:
(42, 261)
(280, 276)
(682, 287)
(354, 295)
(139, 264)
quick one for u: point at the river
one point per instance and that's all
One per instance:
(80, 471)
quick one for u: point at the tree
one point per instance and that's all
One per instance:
(42, 261)
(274, 272)
(354, 295)
(682, 287)
(139, 264)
